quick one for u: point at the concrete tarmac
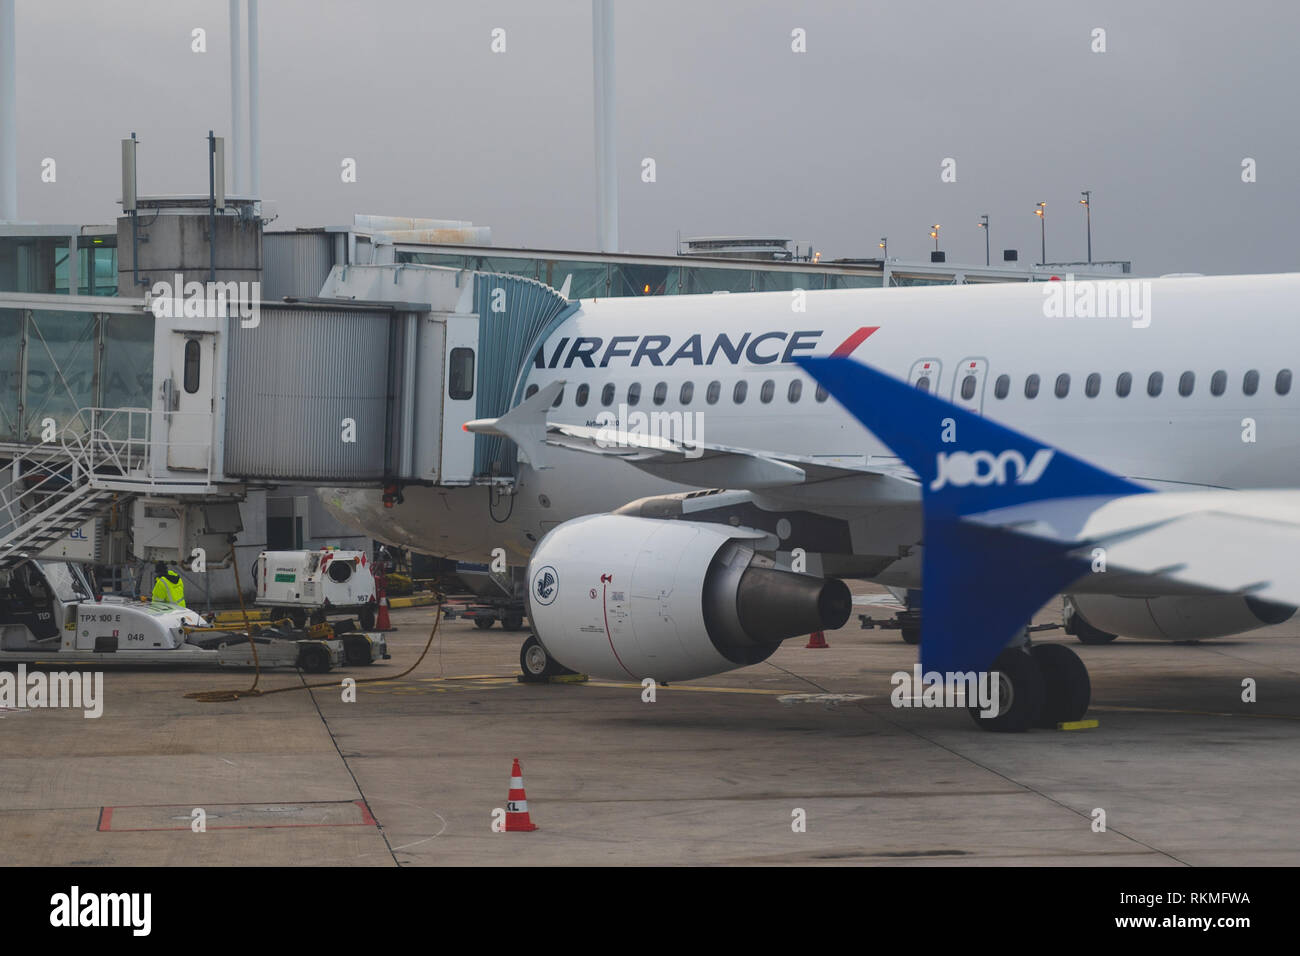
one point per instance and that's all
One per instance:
(714, 771)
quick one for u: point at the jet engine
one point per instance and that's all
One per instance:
(1178, 618)
(623, 597)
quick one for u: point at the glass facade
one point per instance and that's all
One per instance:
(40, 264)
(599, 278)
(54, 363)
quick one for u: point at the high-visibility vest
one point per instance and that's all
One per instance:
(165, 589)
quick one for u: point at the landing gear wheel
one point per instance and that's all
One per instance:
(1067, 689)
(512, 622)
(1087, 634)
(911, 635)
(1020, 693)
(536, 662)
(313, 659)
(483, 623)
(367, 618)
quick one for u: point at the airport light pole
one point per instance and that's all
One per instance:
(984, 224)
(934, 234)
(1041, 213)
(1086, 202)
(884, 245)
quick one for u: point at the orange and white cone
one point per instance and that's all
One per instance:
(517, 818)
(816, 639)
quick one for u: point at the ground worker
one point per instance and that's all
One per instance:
(167, 585)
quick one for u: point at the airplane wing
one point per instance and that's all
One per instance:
(688, 462)
(1010, 521)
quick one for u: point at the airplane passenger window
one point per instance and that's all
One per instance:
(580, 396)
(559, 397)
(1218, 382)
(740, 391)
(795, 391)
(634, 393)
(968, 387)
(607, 394)
(767, 391)
(1250, 383)
(1063, 385)
(661, 393)
(923, 383)
(1186, 382)
(1002, 386)
(1092, 385)
(713, 392)
(821, 394)
(1031, 387)
(1155, 382)
(530, 391)
(1283, 382)
(1124, 384)
(687, 393)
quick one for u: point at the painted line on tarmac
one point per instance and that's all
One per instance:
(1191, 713)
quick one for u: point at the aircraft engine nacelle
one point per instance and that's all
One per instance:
(1170, 618)
(629, 598)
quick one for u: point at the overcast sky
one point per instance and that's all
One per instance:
(839, 145)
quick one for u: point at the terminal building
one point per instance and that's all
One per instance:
(132, 433)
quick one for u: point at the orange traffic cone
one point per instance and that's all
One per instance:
(382, 620)
(517, 803)
(816, 639)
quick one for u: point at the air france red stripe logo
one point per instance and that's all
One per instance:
(845, 348)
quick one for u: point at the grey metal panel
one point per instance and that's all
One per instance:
(293, 379)
(295, 263)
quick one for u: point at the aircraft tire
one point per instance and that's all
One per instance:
(1020, 694)
(536, 662)
(1067, 688)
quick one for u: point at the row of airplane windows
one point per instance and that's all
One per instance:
(1124, 384)
(739, 392)
(969, 385)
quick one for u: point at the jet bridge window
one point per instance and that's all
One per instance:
(580, 396)
(1186, 383)
(1155, 383)
(193, 356)
(1002, 387)
(713, 393)
(1283, 382)
(661, 393)
(767, 391)
(795, 391)
(1031, 386)
(687, 393)
(739, 392)
(1124, 384)
(1250, 383)
(607, 394)
(1219, 382)
(1063, 385)
(1092, 385)
(633, 393)
(460, 375)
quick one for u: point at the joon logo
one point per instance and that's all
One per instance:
(980, 468)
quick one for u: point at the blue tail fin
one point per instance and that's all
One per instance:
(980, 584)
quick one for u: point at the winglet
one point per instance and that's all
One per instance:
(980, 584)
(525, 424)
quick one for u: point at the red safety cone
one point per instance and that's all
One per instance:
(816, 639)
(517, 818)
(382, 621)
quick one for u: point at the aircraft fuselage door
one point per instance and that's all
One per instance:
(968, 384)
(925, 374)
(189, 401)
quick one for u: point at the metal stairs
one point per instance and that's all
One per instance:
(50, 495)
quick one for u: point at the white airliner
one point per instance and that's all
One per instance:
(1140, 462)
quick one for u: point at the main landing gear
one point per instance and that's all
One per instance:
(1039, 685)
(537, 663)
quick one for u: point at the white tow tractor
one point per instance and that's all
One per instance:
(48, 612)
(309, 586)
